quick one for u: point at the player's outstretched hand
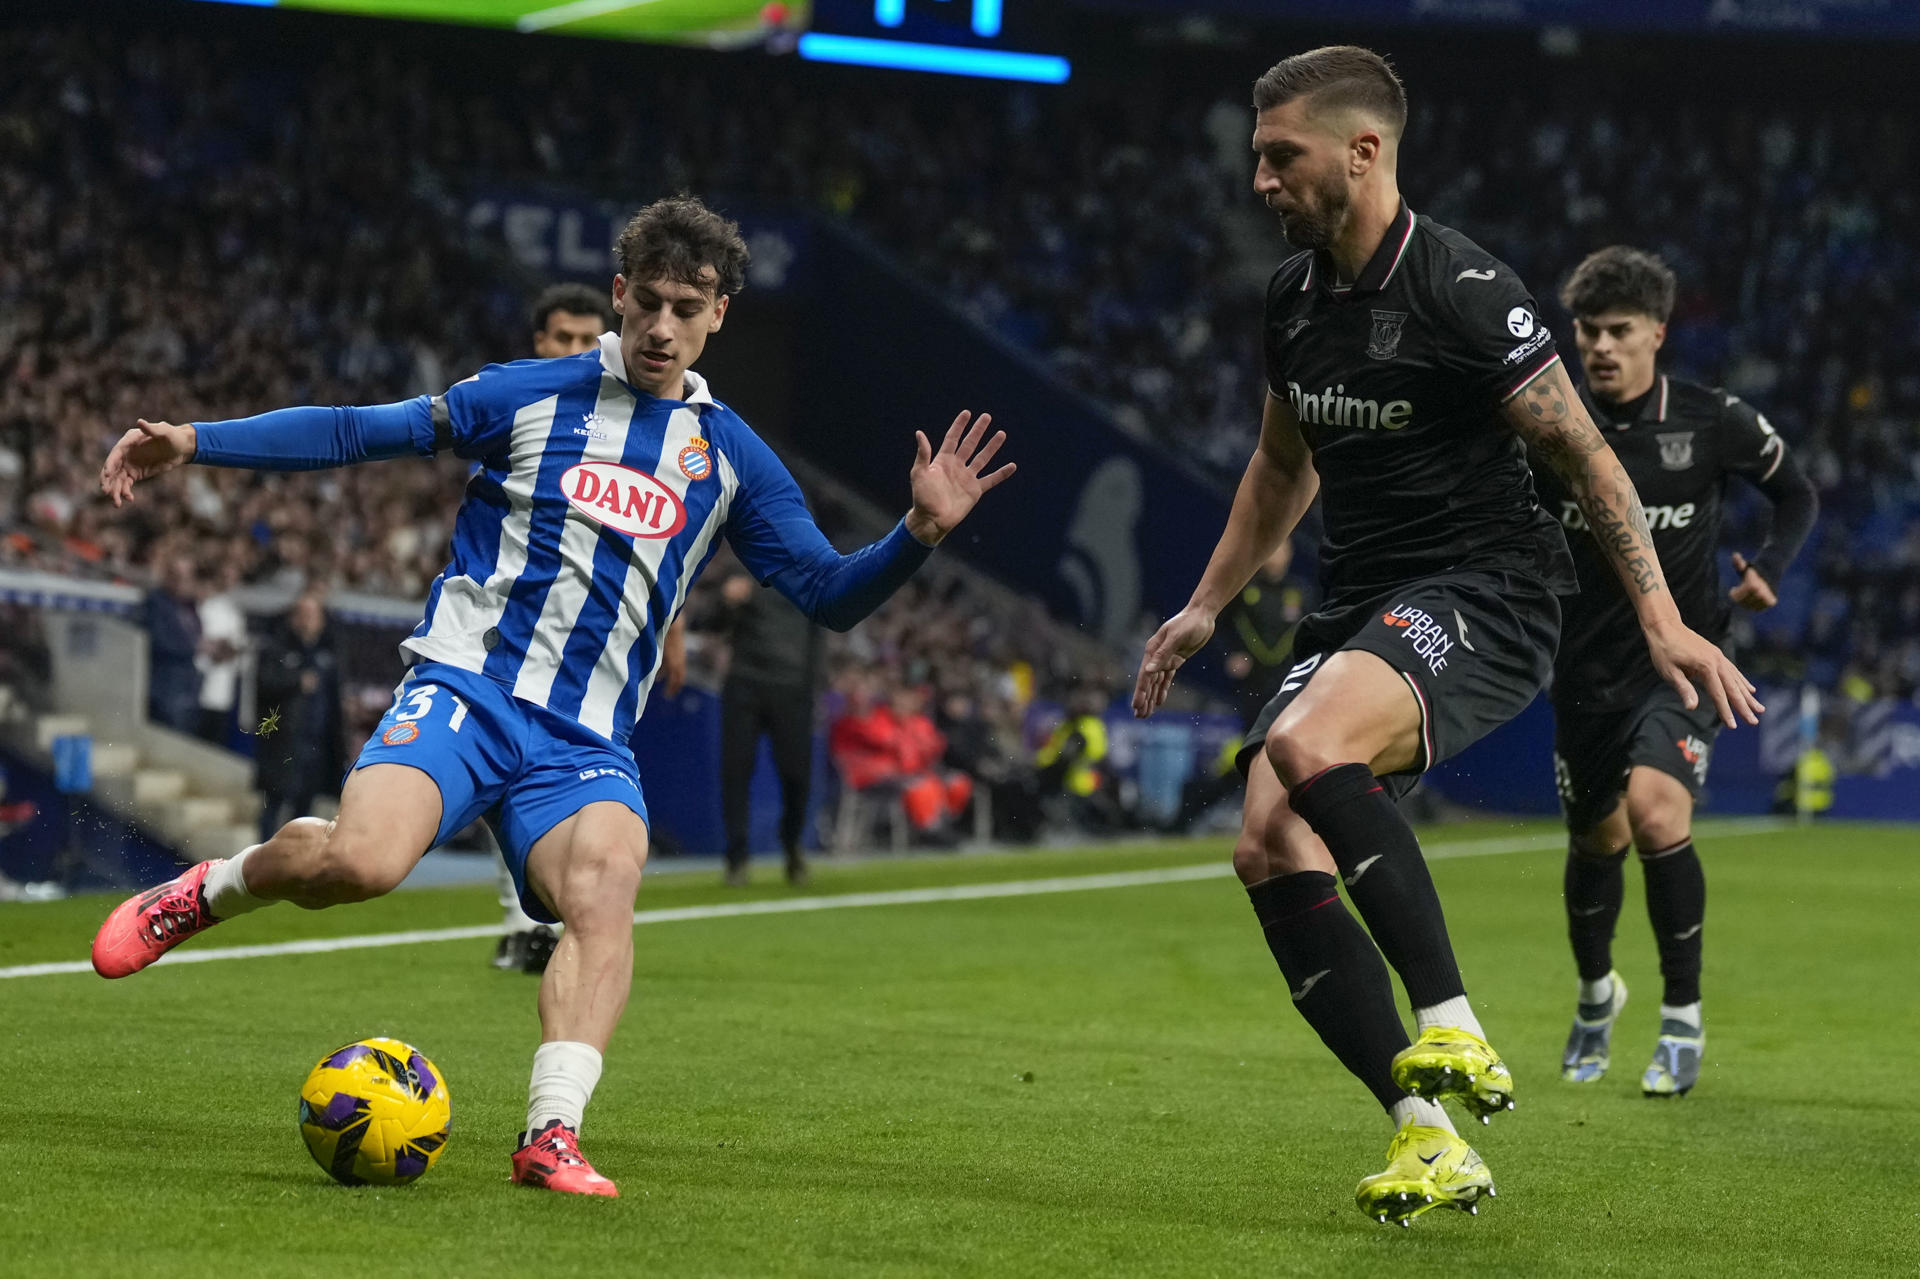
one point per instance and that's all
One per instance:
(1183, 635)
(1752, 591)
(947, 483)
(1684, 659)
(149, 449)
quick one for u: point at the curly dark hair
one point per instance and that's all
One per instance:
(685, 241)
(1623, 279)
(574, 299)
(1339, 75)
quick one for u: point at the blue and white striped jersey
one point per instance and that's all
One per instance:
(592, 510)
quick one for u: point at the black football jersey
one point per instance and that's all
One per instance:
(1398, 382)
(1679, 449)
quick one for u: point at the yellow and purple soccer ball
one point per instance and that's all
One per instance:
(375, 1113)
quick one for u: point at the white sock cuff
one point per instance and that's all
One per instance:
(1689, 1013)
(1596, 992)
(1419, 1110)
(564, 1075)
(1455, 1012)
(225, 888)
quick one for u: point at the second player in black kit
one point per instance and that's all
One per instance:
(1405, 367)
(1438, 558)
(1629, 757)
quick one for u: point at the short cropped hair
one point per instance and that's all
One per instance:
(1623, 279)
(1339, 75)
(574, 299)
(682, 239)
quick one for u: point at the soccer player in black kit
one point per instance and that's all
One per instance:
(1405, 367)
(1620, 733)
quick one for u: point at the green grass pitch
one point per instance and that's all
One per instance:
(1090, 1083)
(631, 19)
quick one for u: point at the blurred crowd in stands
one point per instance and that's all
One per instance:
(198, 230)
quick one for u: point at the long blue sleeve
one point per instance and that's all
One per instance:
(837, 591)
(313, 439)
(775, 537)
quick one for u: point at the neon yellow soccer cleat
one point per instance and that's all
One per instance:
(1449, 1062)
(1426, 1168)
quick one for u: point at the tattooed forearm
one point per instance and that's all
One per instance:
(1549, 417)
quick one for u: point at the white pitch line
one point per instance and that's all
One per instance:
(846, 901)
(561, 14)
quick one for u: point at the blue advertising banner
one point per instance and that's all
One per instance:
(564, 233)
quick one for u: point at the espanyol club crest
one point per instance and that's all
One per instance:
(1676, 450)
(1385, 340)
(695, 463)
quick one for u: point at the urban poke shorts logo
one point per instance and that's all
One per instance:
(401, 734)
(1676, 450)
(1384, 342)
(623, 499)
(1697, 753)
(1421, 629)
(695, 463)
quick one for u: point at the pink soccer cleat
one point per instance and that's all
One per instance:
(552, 1161)
(149, 924)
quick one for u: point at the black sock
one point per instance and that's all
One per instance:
(1595, 886)
(1677, 906)
(1385, 875)
(1334, 974)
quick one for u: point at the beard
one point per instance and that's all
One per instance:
(1315, 222)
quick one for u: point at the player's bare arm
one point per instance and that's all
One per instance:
(1274, 493)
(948, 482)
(1549, 416)
(149, 449)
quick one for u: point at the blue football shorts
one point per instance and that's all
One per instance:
(523, 768)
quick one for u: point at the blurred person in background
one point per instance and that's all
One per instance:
(223, 645)
(773, 674)
(1070, 763)
(1629, 756)
(1257, 630)
(568, 319)
(173, 646)
(979, 746)
(301, 752)
(863, 740)
(934, 794)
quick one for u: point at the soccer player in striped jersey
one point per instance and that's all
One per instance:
(567, 319)
(605, 480)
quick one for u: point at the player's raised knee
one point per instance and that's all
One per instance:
(1250, 861)
(1297, 750)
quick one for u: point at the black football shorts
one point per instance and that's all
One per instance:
(1474, 646)
(1594, 750)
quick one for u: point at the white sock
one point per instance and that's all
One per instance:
(515, 918)
(1419, 1110)
(1597, 992)
(225, 888)
(1689, 1013)
(564, 1074)
(1455, 1012)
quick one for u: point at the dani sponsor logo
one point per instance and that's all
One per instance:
(623, 499)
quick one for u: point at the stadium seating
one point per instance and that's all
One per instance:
(217, 265)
